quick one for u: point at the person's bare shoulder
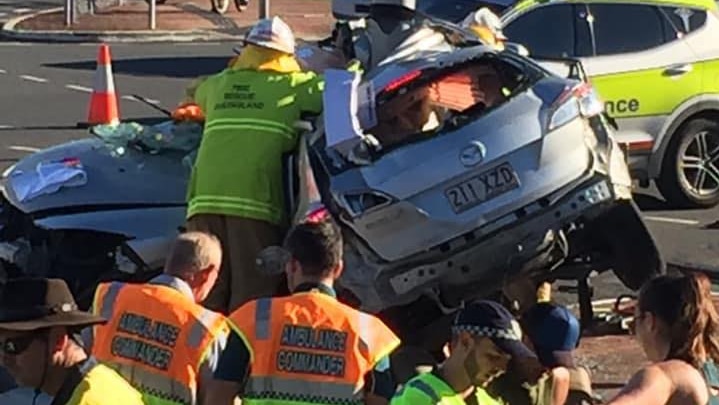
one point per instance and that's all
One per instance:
(689, 385)
(651, 386)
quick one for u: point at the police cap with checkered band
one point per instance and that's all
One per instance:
(490, 319)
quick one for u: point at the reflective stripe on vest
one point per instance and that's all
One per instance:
(199, 330)
(222, 201)
(311, 347)
(426, 389)
(156, 388)
(263, 313)
(108, 301)
(156, 338)
(252, 124)
(285, 389)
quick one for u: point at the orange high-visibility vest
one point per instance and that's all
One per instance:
(309, 348)
(155, 337)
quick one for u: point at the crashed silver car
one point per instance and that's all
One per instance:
(452, 174)
(526, 184)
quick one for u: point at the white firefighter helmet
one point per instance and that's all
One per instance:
(408, 4)
(485, 18)
(349, 9)
(272, 33)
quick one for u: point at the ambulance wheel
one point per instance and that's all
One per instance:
(220, 6)
(690, 171)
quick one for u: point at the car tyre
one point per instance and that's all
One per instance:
(679, 178)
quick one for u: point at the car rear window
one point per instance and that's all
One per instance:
(419, 108)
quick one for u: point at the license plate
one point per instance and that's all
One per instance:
(482, 187)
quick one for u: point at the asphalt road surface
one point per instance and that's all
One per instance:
(45, 89)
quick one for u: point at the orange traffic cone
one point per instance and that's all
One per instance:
(103, 102)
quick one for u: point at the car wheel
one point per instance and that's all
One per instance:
(690, 172)
(220, 6)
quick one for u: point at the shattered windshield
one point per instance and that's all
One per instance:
(166, 137)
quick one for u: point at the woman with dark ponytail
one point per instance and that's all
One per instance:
(677, 325)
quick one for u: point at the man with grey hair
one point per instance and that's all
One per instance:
(158, 336)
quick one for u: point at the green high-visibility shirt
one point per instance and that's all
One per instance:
(427, 389)
(483, 397)
(249, 118)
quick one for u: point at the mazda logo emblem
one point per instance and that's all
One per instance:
(473, 154)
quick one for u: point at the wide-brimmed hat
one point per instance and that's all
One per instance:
(272, 33)
(31, 303)
(490, 319)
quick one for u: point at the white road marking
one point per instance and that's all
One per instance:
(6, 127)
(33, 78)
(3, 71)
(671, 220)
(2, 14)
(21, 10)
(24, 148)
(78, 88)
(149, 100)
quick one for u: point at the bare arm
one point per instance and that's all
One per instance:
(649, 386)
(379, 384)
(230, 374)
(560, 386)
(374, 399)
(210, 363)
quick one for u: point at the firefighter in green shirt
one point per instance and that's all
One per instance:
(484, 339)
(236, 188)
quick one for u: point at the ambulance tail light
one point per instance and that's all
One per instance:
(581, 100)
(590, 104)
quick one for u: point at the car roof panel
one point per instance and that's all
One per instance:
(523, 5)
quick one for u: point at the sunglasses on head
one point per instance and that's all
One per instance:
(17, 345)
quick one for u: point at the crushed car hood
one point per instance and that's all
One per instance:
(147, 180)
